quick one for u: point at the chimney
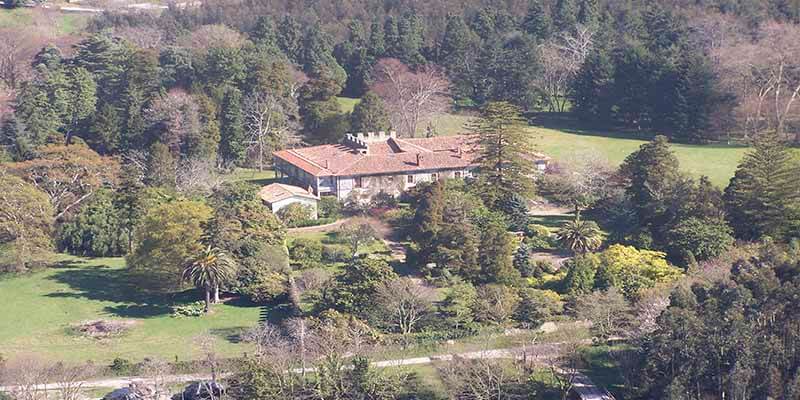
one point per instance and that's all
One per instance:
(326, 164)
(381, 135)
(360, 135)
(419, 160)
(393, 134)
(460, 154)
(370, 135)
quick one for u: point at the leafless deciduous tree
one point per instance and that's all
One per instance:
(562, 57)
(565, 366)
(411, 97)
(357, 232)
(70, 379)
(27, 377)
(197, 176)
(175, 116)
(210, 36)
(579, 181)
(482, 379)
(157, 372)
(145, 37)
(405, 302)
(764, 74)
(267, 122)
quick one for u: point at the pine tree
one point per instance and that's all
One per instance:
(505, 169)
(264, 34)
(537, 22)
(763, 197)
(410, 31)
(290, 38)
(588, 13)
(456, 54)
(377, 42)
(391, 36)
(592, 89)
(232, 145)
(370, 115)
(104, 131)
(428, 220)
(566, 15)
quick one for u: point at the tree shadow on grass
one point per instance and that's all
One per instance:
(103, 283)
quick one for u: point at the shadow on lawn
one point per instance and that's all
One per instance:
(102, 283)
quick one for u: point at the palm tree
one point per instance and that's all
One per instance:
(212, 267)
(580, 236)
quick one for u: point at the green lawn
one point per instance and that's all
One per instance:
(39, 308)
(718, 162)
(31, 18)
(347, 104)
(254, 176)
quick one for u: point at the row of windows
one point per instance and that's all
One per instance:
(358, 182)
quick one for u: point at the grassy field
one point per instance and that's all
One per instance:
(347, 104)
(30, 18)
(40, 308)
(718, 162)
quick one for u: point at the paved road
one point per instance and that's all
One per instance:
(583, 385)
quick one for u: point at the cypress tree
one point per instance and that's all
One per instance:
(161, 167)
(232, 136)
(651, 173)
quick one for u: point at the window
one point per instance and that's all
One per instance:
(358, 182)
(457, 174)
(434, 177)
(410, 178)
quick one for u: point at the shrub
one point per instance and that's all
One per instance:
(189, 310)
(121, 366)
(702, 239)
(383, 200)
(495, 303)
(537, 306)
(329, 207)
(314, 222)
(267, 287)
(294, 214)
(539, 238)
(306, 252)
(333, 253)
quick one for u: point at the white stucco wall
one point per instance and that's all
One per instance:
(296, 199)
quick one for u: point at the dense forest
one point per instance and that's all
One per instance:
(189, 78)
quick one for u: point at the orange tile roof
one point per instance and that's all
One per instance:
(389, 156)
(279, 191)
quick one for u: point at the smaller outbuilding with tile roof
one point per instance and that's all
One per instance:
(279, 195)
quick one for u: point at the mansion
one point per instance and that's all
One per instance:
(366, 164)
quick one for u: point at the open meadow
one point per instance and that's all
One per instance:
(40, 309)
